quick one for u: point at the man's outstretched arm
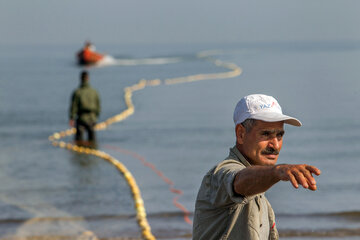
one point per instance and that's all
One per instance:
(257, 179)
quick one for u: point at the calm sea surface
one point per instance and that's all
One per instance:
(181, 129)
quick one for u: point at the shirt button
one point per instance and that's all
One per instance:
(260, 225)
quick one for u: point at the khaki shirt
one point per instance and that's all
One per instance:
(85, 104)
(220, 213)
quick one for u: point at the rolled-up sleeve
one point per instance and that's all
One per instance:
(223, 183)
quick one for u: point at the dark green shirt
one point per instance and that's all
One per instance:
(222, 214)
(85, 104)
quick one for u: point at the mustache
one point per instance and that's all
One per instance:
(271, 151)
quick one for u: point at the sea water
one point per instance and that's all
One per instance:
(182, 130)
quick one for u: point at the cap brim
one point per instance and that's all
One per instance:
(277, 117)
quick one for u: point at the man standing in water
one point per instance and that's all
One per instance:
(231, 203)
(84, 109)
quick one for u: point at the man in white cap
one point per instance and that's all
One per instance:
(231, 203)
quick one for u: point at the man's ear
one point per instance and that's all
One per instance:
(240, 133)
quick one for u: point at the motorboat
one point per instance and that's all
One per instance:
(88, 55)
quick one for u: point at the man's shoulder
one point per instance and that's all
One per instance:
(87, 89)
(228, 164)
(76, 92)
(93, 90)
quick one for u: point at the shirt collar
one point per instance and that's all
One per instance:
(85, 84)
(234, 151)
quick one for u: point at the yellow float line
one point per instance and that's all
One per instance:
(139, 203)
(236, 71)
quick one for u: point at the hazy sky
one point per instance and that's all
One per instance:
(175, 21)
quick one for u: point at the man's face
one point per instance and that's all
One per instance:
(262, 145)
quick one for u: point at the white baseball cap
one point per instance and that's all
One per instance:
(261, 107)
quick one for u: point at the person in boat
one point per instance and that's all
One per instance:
(88, 55)
(231, 203)
(84, 109)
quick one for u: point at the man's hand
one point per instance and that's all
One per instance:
(298, 174)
